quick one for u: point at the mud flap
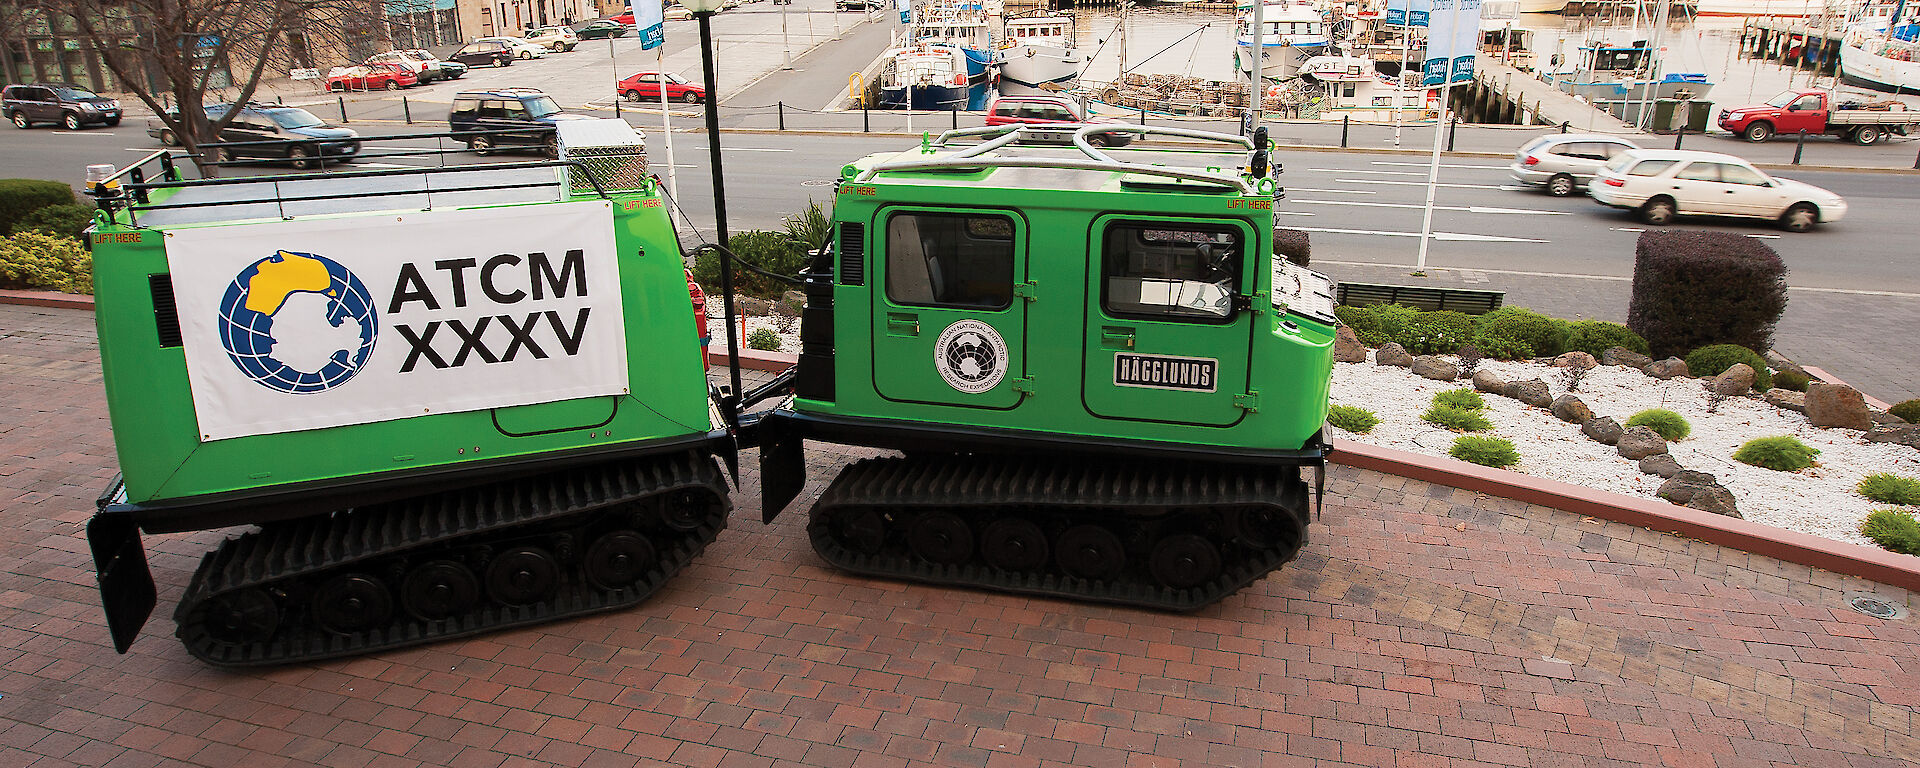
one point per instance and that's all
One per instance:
(126, 585)
(783, 466)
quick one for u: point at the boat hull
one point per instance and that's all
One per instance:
(1030, 70)
(1858, 67)
(924, 97)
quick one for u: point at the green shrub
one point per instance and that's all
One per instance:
(1893, 529)
(1377, 324)
(1352, 419)
(1485, 451)
(1502, 348)
(1546, 335)
(1457, 419)
(763, 339)
(1889, 488)
(1463, 399)
(1665, 423)
(772, 251)
(1293, 244)
(1693, 288)
(66, 220)
(1432, 333)
(1793, 380)
(40, 260)
(1715, 360)
(1782, 452)
(1595, 337)
(19, 197)
(811, 228)
(1909, 410)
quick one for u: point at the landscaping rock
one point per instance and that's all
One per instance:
(1489, 382)
(1662, 464)
(1347, 347)
(1640, 442)
(1734, 381)
(1882, 417)
(1575, 359)
(1837, 405)
(788, 306)
(1624, 356)
(1716, 499)
(1904, 434)
(752, 307)
(1778, 362)
(1393, 354)
(1533, 392)
(1787, 400)
(1666, 369)
(1681, 488)
(1603, 430)
(1435, 368)
(1569, 409)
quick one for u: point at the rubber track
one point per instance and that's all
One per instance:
(291, 558)
(1127, 497)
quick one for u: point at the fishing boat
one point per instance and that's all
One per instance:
(1292, 33)
(1039, 55)
(924, 75)
(1349, 87)
(1884, 61)
(963, 26)
(1542, 6)
(1606, 72)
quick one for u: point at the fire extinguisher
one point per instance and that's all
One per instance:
(699, 316)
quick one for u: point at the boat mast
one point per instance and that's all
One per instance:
(1257, 93)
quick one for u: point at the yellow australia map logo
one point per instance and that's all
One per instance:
(298, 323)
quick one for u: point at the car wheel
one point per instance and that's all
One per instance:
(71, 121)
(553, 147)
(1867, 135)
(1560, 185)
(1759, 132)
(20, 120)
(1658, 211)
(690, 97)
(631, 95)
(481, 145)
(113, 123)
(1098, 141)
(393, 85)
(336, 87)
(506, 61)
(223, 155)
(1800, 218)
(167, 139)
(524, 55)
(301, 158)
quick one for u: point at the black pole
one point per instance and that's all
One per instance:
(406, 109)
(1345, 120)
(720, 203)
(783, 115)
(1564, 124)
(343, 109)
(1679, 134)
(1916, 162)
(956, 119)
(866, 126)
(1799, 143)
(1143, 115)
(1451, 130)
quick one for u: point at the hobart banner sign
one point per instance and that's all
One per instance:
(321, 323)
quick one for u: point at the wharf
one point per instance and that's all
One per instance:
(1520, 98)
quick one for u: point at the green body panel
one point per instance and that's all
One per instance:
(1273, 365)
(162, 457)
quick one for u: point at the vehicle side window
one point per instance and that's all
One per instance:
(950, 260)
(1700, 172)
(516, 111)
(493, 108)
(1004, 110)
(466, 106)
(1807, 102)
(1167, 271)
(1056, 113)
(1651, 167)
(1740, 174)
(1609, 149)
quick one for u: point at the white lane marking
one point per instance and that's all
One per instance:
(83, 133)
(1446, 236)
(1766, 237)
(1339, 191)
(1422, 184)
(364, 164)
(1417, 206)
(1278, 212)
(1608, 278)
(1359, 170)
(753, 149)
(1443, 165)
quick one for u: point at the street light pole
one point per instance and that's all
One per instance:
(703, 11)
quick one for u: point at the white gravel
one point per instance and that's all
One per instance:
(1819, 500)
(787, 328)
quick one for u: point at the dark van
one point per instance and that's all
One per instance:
(511, 117)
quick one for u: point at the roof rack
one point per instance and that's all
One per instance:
(977, 157)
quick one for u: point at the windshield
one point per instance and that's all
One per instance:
(1781, 101)
(541, 106)
(76, 93)
(294, 118)
(1619, 161)
(675, 79)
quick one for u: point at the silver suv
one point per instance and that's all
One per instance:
(1565, 162)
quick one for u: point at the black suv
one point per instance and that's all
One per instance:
(307, 141)
(64, 103)
(521, 116)
(492, 52)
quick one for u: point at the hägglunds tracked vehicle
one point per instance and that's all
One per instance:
(1104, 383)
(451, 399)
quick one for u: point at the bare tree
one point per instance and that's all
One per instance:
(175, 51)
(14, 15)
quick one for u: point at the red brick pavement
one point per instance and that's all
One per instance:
(1424, 626)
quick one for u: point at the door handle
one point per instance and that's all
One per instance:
(903, 324)
(1112, 337)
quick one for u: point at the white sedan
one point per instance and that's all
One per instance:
(1664, 183)
(522, 48)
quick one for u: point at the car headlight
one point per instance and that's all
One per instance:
(85, 107)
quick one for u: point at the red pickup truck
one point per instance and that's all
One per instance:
(1813, 111)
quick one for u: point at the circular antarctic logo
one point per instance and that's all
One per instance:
(970, 356)
(298, 323)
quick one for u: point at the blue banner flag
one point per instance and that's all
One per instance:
(1452, 38)
(650, 17)
(1399, 10)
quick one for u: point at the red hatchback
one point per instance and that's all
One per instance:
(367, 77)
(625, 18)
(645, 86)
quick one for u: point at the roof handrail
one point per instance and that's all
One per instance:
(977, 157)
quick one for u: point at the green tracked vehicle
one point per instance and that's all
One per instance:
(451, 399)
(1104, 384)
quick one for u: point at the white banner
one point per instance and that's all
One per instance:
(649, 16)
(1453, 35)
(325, 322)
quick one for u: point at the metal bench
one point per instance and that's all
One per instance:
(1470, 301)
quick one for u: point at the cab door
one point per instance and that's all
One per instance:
(1167, 336)
(948, 328)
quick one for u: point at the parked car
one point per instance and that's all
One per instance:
(64, 103)
(645, 86)
(449, 70)
(1565, 162)
(423, 69)
(624, 18)
(595, 30)
(1052, 112)
(522, 49)
(1664, 183)
(518, 116)
(1814, 112)
(308, 140)
(556, 39)
(371, 77)
(677, 12)
(489, 52)
(855, 5)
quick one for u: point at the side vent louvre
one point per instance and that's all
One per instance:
(853, 254)
(165, 317)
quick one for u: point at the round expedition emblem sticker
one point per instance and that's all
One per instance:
(970, 356)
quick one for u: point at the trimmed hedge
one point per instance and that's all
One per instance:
(19, 197)
(772, 251)
(1378, 324)
(1715, 360)
(1352, 419)
(1784, 453)
(1294, 244)
(64, 220)
(1502, 348)
(1434, 333)
(1485, 451)
(39, 260)
(1693, 289)
(1893, 529)
(1595, 337)
(1544, 336)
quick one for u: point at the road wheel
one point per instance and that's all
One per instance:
(631, 95)
(524, 55)
(481, 145)
(1759, 132)
(1658, 211)
(1867, 135)
(71, 121)
(553, 147)
(20, 120)
(167, 139)
(1800, 218)
(506, 61)
(301, 158)
(113, 123)
(1098, 141)
(393, 85)
(690, 97)
(336, 87)
(1560, 185)
(223, 155)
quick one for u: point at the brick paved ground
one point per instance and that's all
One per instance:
(1423, 627)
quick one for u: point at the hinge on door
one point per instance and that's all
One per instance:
(1023, 385)
(1249, 401)
(1029, 290)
